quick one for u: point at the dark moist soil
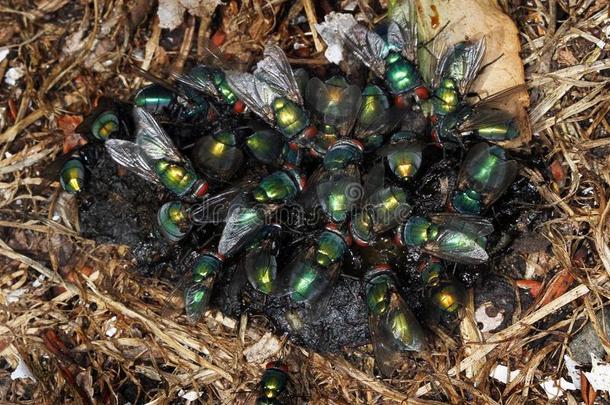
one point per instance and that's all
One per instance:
(122, 209)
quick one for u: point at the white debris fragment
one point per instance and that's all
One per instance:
(573, 369)
(488, 316)
(171, 12)
(22, 371)
(3, 54)
(190, 395)
(350, 5)
(260, 351)
(13, 75)
(500, 373)
(110, 327)
(38, 282)
(329, 30)
(555, 388)
(599, 377)
(14, 295)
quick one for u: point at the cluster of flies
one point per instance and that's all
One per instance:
(339, 129)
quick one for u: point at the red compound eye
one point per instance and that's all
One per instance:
(422, 93)
(239, 107)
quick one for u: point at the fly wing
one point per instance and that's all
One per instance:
(200, 82)
(344, 113)
(275, 70)
(257, 95)
(402, 32)
(506, 174)
(472, 224)
(194, 303)
(387, 359)
(242, 224)
(131, 156)
(340, 110)
(457, 247)
(401, 40)
(462, 62)
(317, 96)
(501, 98)
(394, 332)
(152, 139)
(367, 46)
(488, 116)
(308, 199)
(214, 209)
(384, 123)
(305, 281)
(374, 180)
(261, 268)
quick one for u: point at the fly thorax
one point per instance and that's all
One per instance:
(446, 98)
(401, 76)
(331, 247)
(290, 117)
(173, 221)
(105, 125)
(73, 176)
(223, 88)
(467, 202)
(276, 187)
(416, 231)
(361, 228)
(377, 295)
(206, 266)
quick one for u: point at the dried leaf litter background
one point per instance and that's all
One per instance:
(114, 319)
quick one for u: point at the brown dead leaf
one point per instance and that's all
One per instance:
(67, 124)
(534, 287)
(558, 285)
(586, 389)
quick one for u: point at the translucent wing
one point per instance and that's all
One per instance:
(197, 297)
(337, 107)
(219, 163)
(403, 16)
(261, 268)
(131, 156)
(305, 281)
(471, 224)
(374, 180)
(309, 197)
(401, 40)
(214, 209)
(385, 121)
(501, 98)
(242, 224)
(257, 94)
(367, 46)
(461, 63)
(479, 117)
(394, 332)
(275, 70)
(338, 193)
(152, 139)
(199, 79)
(457, 247)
